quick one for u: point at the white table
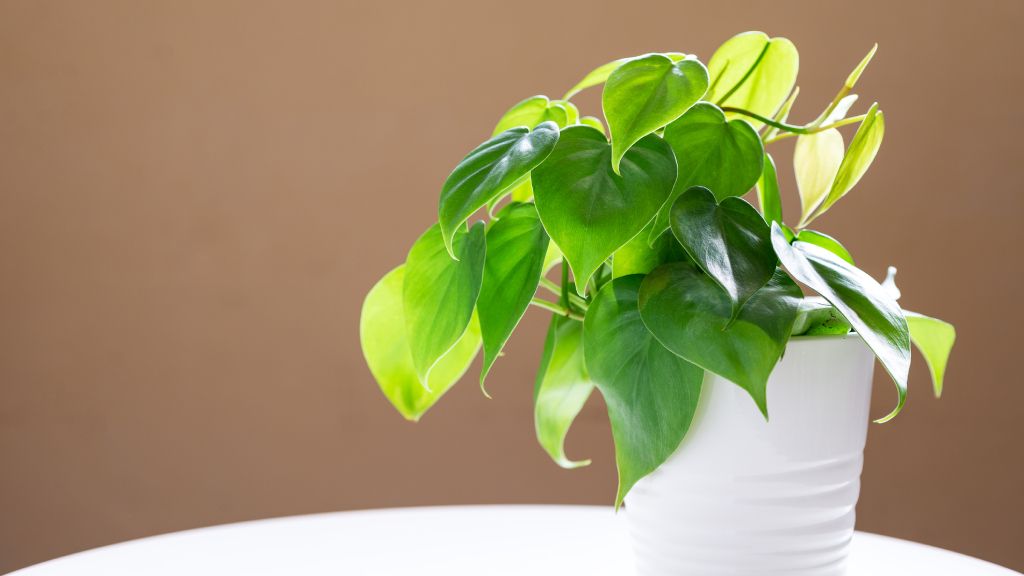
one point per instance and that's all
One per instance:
(448, 541)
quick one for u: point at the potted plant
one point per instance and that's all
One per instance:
(738, 405)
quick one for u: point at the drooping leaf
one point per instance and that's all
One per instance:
(650, 392)
(825, 241)
(728, 240)
(763, 68)
(385, 343)
(489, 170)
(647, 93)
(561, 389)
(858, 158)
(589, 210)
(934, 338)
(516, 245)
(439, 294)
(725, 157)
(600, 74)
(532, 112)
(816, 161)
(691, 315)
(638, 256)
(768, 196)
(869, 308)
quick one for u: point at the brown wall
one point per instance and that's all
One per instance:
(194, 197)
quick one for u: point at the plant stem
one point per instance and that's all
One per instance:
(564, 300)
(790, 127)
(555, 308)
(557, 291)
(836, 124)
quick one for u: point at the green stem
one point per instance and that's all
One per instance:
(808, 129)
(837, 124)
(564, 301)
(746, 75)
(557, 291)
(555, 308)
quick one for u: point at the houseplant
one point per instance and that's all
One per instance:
(662, 282)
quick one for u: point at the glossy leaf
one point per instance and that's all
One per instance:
(934, 338)
(825, 241)
(532, 112)
(638, 256)
(768, 196)
(816, 161)
(647, 93)
(691, 315)
(589, 210)
(858, 158)
(870, 309)
(600, 74)
(650, 392)
(725, 157)
(440, 294)
(562, 388)
(763, 68)
(385, 344)
(516, 245)
(489, 170)
(729, 241)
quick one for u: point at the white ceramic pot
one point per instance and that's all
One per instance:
(742, 496)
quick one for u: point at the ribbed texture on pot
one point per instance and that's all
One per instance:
(747, 497)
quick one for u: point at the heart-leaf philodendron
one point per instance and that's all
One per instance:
(632, 235)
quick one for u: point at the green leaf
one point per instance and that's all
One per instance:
(593, 122)
(851, 80)
(651, 393)
(489, 170)
(640, 257)
(572, 113)
(753, 72)
(725, 157)
(532, 112)
(647, 93)
(768, 196)
(439, 294)
(600, 74)
(691, 315)
(589, 210)
(874, 314)
(385, 343)
(728, 240)
(782, 115)
(816, 161)
(857, 160)
(516, 245)
(825, 241)
(562, 388)
(934, 338)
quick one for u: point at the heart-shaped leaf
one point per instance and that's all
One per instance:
(562, 388)
(532, 112)
(516, 245)
(768, 196)
(385, 343)
(593, 122)
(825, 241)
(647, 93)
(858, 158)
(729, 240)
(692, 316)
(934, 338)
(600, 74)
(489, 170)
(650, 392)
(439, 293)
(753, 72)
(725, 157)
(816, 161)
(589, 210)
(868, 306)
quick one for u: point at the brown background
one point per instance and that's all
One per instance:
(194, 197)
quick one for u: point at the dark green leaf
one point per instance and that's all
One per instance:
(640, 257)
(489, 170)
(647, 93)
(690, 314)
(768, 195)
(562, 388)
(874, 314)
(825, 241)
(934, 338)
(516, 245)
(725, 157)
(385, 343)
(439, 294)
(729, 240)
(589, 210)
(651, 393)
